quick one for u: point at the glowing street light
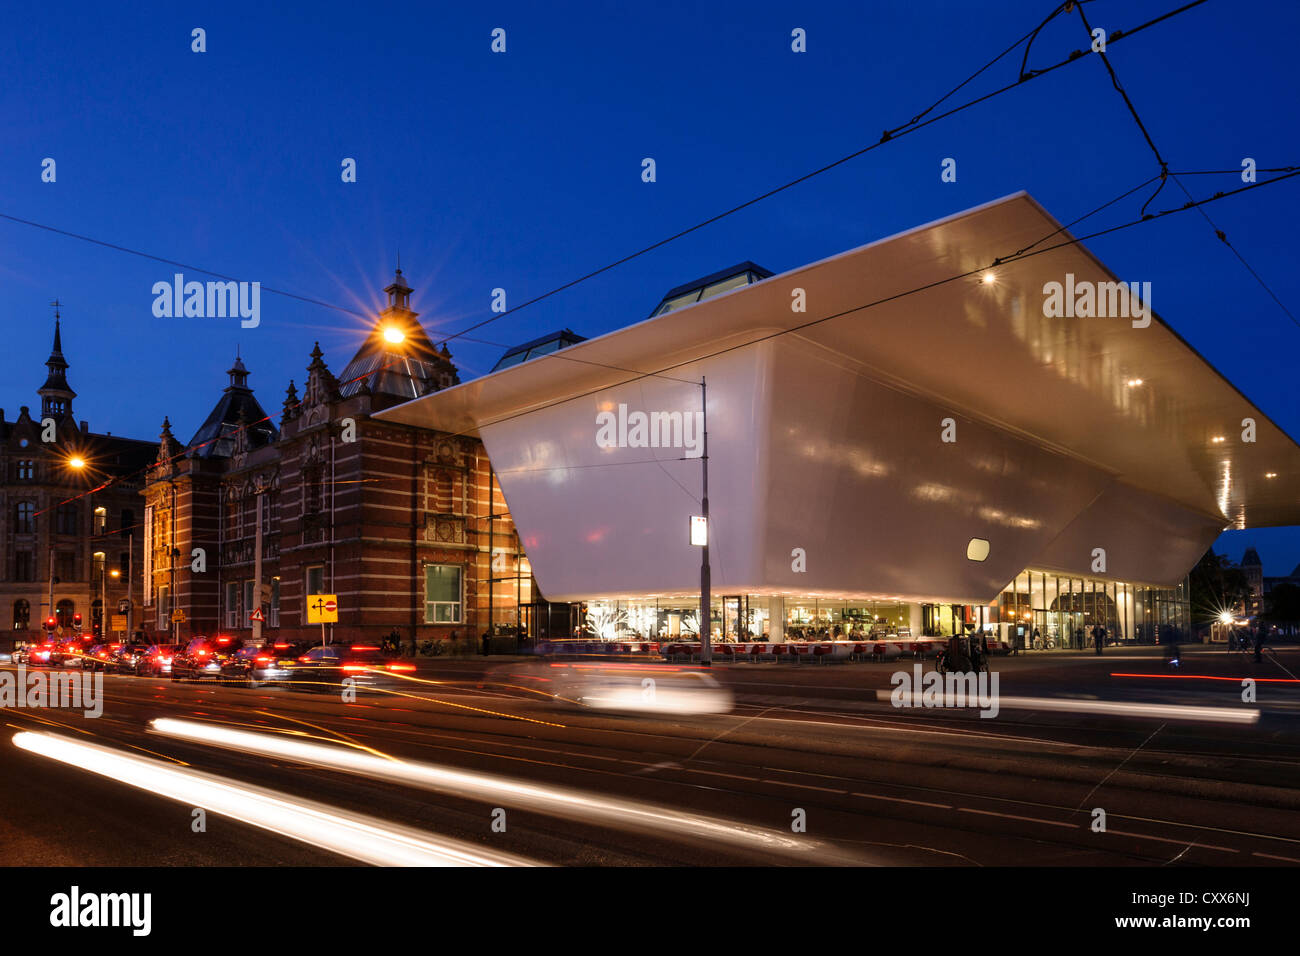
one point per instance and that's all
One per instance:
(76, 461)
(395, 335)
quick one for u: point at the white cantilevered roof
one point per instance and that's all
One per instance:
(985, 350)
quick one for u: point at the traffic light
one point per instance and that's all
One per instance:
(49, 622)
(76, 621)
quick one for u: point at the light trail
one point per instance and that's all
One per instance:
(353, 835)
(537, 798)
(1223, 715)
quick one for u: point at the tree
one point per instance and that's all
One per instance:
(1217, 585)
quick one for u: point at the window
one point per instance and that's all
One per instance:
(124, 565)
(26, 470)
(24, 518)
(313, 490)
(22, 615)
(65, 519)
(273, 613)
(63, 613)
(65, 566)
(163, 600)
(232, 605)
(316, 579)
(101, 519)
(442, 594)
(24, 566)
(97, 569)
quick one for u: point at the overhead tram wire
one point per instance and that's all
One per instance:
(915, 124)
(1165, 173)
(887, 137)
(997, 262)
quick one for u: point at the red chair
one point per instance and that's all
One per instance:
(823, 652)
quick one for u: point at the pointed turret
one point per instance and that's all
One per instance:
(56, 394)
(398, 361)
(237, 412)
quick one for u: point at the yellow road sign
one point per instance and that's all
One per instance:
(322, 608)
(178, 616)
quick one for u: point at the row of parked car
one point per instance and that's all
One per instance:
(230, 660)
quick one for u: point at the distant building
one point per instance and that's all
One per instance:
(1253, 568)
(69, 514)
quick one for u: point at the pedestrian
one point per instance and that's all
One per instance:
(1171, 646)
(1037, 637)
(1078, 638)
(1259, 644)
(1099, 637)
(487, 643)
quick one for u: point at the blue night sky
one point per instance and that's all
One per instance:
(522, 170)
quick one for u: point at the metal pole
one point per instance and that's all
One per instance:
(492, 528)
(706, 596)
(130, 573)
(257, 570)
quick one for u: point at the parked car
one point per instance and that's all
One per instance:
(325, 668)
(203, 657)
(36, 655)
(68, 654)
(97, 658)
(255, 665)
(124, 657)
(156, 660)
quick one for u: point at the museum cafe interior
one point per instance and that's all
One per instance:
(1038, 610)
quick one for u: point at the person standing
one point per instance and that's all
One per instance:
(1259, 643)
(1099, 637)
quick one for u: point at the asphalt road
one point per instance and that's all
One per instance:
(873, 784)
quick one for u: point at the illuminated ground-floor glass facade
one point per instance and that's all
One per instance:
(1039, 609)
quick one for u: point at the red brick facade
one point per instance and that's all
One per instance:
(350, 506)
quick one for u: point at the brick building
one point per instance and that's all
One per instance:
(69, 514)
(407, 526)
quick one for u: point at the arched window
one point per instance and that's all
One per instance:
(22, 615)
(63, 612)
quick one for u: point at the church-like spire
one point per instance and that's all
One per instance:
(399, 293)
(238, 374)
(56, 394)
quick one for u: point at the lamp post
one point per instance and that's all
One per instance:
(77, 464)
(115, 574)
(706, 597)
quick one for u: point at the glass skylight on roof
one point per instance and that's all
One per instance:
(746, 273)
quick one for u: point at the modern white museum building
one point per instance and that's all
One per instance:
(902, 438)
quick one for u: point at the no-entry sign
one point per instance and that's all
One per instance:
(322, 608)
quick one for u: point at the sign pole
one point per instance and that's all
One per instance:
(706, 597)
